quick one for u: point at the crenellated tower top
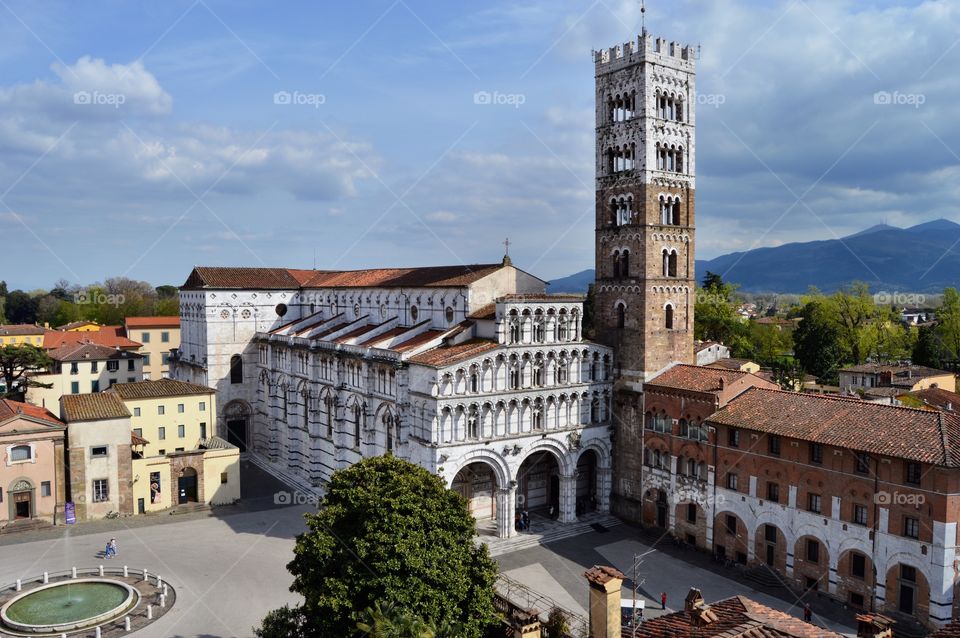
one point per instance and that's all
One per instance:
(647, 48)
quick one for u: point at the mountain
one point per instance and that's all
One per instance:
(921, 258)
(576, 284)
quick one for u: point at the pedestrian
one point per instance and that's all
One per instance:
(518, 522)
(113, 547)
(108, 550)
(526, 520)
(807, 614)
(663, 600)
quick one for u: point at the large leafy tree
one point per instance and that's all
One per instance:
(853, 310)
(948, 322)
(390, 533)
(816, 341)
(715, 314)
(16, 363)
(928, 350)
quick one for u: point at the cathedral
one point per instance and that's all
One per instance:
(475, 372)
(472, 372)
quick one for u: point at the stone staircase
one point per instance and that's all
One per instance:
(25, 525)
(545, 531)
(298, 485)
(764, 577)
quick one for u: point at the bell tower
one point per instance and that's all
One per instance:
(645, 181)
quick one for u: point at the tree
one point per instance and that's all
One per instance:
(715, 314)
(853, 308)
(387, 532)
(948, 322)
(589, 305)
(788, 374)
(928, 350)
(20, 307)
(816, 342)
(19, 361)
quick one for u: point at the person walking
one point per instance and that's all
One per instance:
(663, 600)
(108, 551)
(113, 547)
(526, 520)
(807, 614)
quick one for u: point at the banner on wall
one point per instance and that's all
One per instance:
(154, 487)
(70, 513)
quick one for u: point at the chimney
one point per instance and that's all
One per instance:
(605, 584)
(693, 599)
(874, 626)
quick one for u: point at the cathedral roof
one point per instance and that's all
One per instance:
(449, 355)
(217, 277)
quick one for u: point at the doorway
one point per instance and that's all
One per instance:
(662, 509)
(237, 433)
(22, 505)
(187, 486)
(771, 550)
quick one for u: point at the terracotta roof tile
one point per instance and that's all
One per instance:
(937, 398)
(450, 355)
(10, 409)
(419, 340)
(109, 336)
(89, 351)
(697, 378)
(291, 279)
(93, 407)
(21, 330)
(916, 435)
(485, 312)
(736, 617)
(152, 322)
(158, 388)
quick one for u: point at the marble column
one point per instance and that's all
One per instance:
(604, 486)
(568, 498)
(506, 507)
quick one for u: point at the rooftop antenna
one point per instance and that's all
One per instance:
(643, 17)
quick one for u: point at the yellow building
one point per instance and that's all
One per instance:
(81, 326)
(158, 335)
(181, 460)
(83, 368)
(18, 334)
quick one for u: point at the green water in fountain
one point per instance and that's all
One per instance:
(67, 603)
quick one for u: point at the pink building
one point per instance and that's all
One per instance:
(31, 464)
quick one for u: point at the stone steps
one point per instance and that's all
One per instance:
(291, 479)
(557, 532)
(25, 525)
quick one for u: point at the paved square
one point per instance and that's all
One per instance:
(556, 571)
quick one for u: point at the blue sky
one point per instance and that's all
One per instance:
(182, 155)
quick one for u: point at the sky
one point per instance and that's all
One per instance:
(141, 139)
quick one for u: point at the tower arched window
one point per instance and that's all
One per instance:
(672, 264)
(616, 264)
(625, 263)
(236, 369)
(668, 316)
(676, 212)
(357, 419)
(666, 262)
(621, 324)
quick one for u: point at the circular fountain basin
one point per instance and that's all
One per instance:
(68, 605)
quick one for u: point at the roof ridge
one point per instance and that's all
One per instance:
(839, 398)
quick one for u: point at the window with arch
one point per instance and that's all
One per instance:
(561, 372)
(357, 424)
(538, 415)
(473, 423)
(21, 453)
(616, 264)
(538, 373)
(595, 411)
(621, 324)
(669, 263)
(328, 409)
(474, 379)
(236, 369)
(388, 426)
(449, 314)
(668, 316)
(514, 376)
(539, 330)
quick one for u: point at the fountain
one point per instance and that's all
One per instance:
(68, 605)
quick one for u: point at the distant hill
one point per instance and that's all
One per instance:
(922, 258)
(576, 284)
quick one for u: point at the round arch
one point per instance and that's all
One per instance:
(501, 470)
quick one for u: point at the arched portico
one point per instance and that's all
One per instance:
(483, 479)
